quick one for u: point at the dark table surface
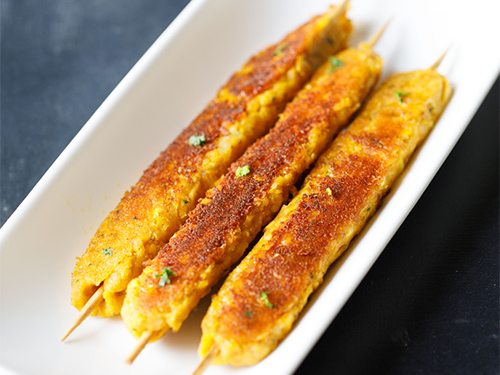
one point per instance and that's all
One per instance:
(430, 305)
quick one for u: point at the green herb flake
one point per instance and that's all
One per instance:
(264, 297)
(329, 191)
(401, 96)
(185, 201)
(280, 49)
(165, 277)
(248, 313)
(108, 251)
(334, 64)
(197, 140)
(242, 171)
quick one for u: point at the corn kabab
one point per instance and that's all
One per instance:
(243, 110)
(263, 296)
(221, 227)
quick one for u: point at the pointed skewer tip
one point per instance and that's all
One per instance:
(376, 37)
(344, 6)
(339, 9)
(205, 362)
(85, 311)
(146, 337)
(439, 60)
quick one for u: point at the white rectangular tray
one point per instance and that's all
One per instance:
(161, 94)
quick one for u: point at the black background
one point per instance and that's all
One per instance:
(430, 305)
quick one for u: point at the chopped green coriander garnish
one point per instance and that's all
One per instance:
(328, 191)
(242, 171)
(279, 50)
(108, 251)
(334, 64)
(165, 277)
(185, 201)
(265, 300)
(401, 95)
(248, 313)
(197, 140)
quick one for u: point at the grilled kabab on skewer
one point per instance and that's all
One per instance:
(223, 224)
(263, 296)
(156, 206)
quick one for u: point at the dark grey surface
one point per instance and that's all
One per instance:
(430, 304)
(60, 60)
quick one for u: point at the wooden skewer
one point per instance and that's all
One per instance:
(146, 337)
(205, 362)
(85, 312)
(340, 9)
(439, 60)
(337, 11)
(96, 297)
(375, 38)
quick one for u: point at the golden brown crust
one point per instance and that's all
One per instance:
(243, 110)
(263, 296)
(266, 67)
(298, 246)
(220, 228)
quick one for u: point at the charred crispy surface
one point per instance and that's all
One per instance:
(220, 228)
(242, 111)
(263, 296)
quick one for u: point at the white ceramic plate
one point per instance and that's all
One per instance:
(161, 94)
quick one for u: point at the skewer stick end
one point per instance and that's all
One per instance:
(344, 6)
(205, 362)
(69, 332)
(146, 337)
(85, 311)
(439, 60)
(376, 37)
(339, 9)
